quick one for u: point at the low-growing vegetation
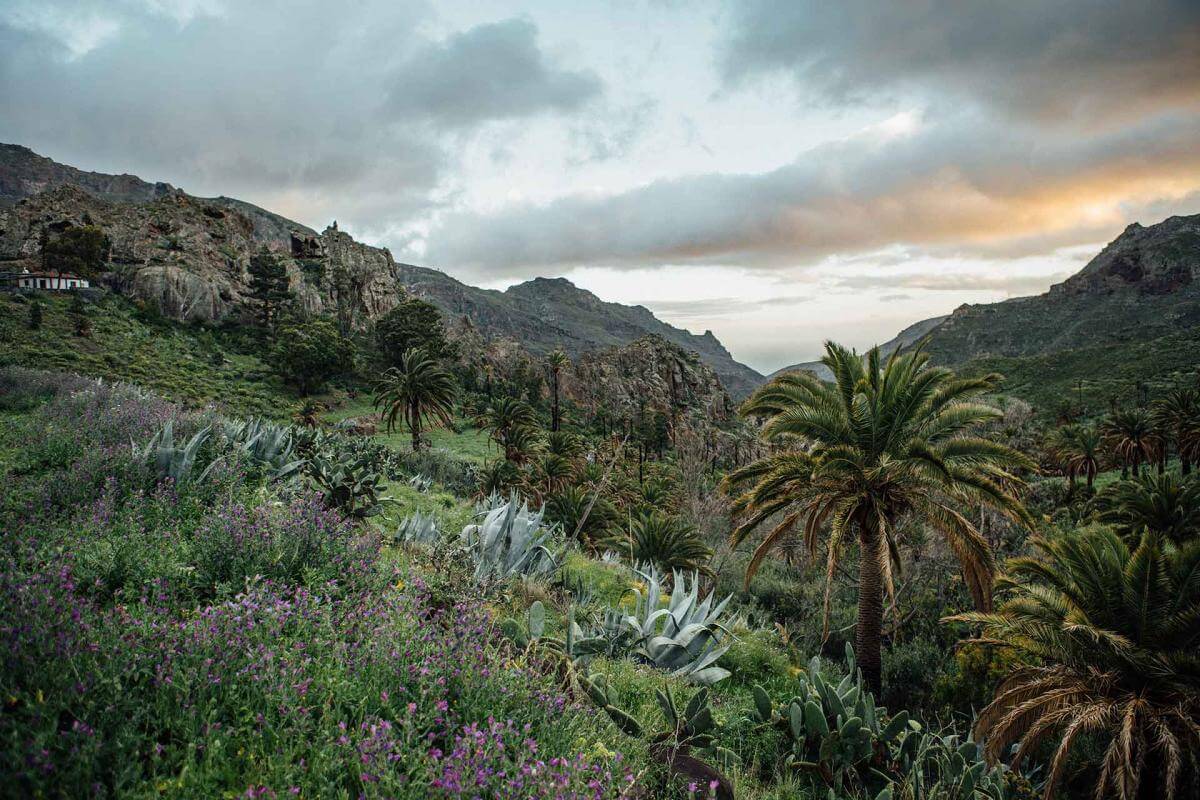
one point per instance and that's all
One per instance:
(459, 572)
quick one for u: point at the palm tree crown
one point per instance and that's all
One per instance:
(1177, 415)
(512, 422)
(1079, 449)
(883, 444)
(1109, 637)
(417, 390)
(1131, 434)
(1162, 504)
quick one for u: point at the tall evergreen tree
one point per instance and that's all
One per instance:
(270, 292)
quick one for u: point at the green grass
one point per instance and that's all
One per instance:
(452, 513)
(467, 442)
(191, 364)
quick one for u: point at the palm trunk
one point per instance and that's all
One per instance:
(869, 629)
(554, 414)
(414, 424)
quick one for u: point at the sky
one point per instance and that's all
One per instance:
(780, 172)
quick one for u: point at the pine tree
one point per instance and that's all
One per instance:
(35, 315)
(269, 288)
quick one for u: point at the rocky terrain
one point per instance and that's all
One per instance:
(1144, 284)
(188, 255)
(649, 374)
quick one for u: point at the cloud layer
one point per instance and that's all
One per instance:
(968, 183)
(1082, 62)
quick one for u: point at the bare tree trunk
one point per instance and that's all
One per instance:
(868, 631)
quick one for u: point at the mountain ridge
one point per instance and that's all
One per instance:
(189, 255)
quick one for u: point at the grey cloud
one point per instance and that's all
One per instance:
(968, 183)
(613, 134)
(1085, 61)
(281, 103)
(267, 101)
(493, 71)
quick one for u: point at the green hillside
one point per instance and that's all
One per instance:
(193, 364)
(1094, 379)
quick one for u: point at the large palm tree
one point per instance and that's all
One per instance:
(417, 390)
(1177, 414)
(509, 421)
(1162, 504)
(1131, 435)
(853, 460)
(556, 362)
(1109, 640)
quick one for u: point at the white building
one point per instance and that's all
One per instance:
(54, 281)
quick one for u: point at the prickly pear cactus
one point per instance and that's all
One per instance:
(838, 733)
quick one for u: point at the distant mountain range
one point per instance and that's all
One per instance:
(1141, 289)
(189, 254)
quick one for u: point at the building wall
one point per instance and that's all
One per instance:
(53, 283)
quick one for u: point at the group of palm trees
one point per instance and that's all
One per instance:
(1104, 621)
(1132, 437)
(599, 510)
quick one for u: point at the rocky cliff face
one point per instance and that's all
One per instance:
(650, 374)
(189, 256)
(1144, 284)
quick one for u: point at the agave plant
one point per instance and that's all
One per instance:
(419, 528)
(510, 541)
(684, 634)
(172, 461)
(349, 484)
(267, 445)
(421, 483)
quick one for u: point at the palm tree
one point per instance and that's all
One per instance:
(884, 444)
(667, 542)
(592, 527)
(496, 477)
(567, 445)
(1078, 450)
(557, 361)
(417, 390)
(308, 413)
(1130, 434)
(554, 472)
(1161, 504)
(1108, 641)
(1177, 414)
(509, 420)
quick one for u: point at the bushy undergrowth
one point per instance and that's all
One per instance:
(234, 637)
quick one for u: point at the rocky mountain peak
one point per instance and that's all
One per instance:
(1156, 259)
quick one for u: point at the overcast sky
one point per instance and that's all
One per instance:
(780, 172)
